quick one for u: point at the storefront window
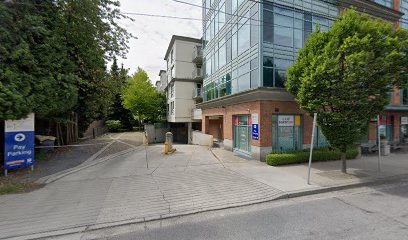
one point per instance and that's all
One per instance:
(286, 132)
(404, 129)
(386, 126)
(320, 140)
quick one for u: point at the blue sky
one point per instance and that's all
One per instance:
(154, 34)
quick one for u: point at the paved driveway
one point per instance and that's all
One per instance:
(138, 186)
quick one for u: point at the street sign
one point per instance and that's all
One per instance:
(19, 143)
(255, 132)
(255, 126)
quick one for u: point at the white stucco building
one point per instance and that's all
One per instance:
(183, 88)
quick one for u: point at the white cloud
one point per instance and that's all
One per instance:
(154, 34)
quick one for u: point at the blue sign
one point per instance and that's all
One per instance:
(255, 132)
(19, 149)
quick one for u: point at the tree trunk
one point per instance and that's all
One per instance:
(343, 161)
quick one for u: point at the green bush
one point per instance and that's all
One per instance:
(113, 125)
(325, 154)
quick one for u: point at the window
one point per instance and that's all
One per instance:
(221, 16)
(222, 53)
(404, 9)
(254, 25)
(234, 5)
(275, 71)
(172, 108)
(244, 35)
(208, 65)
(229, 50)
(254, 73)
(234, 45)
(387, 3)
(172, 72)
(172, 56)
(404, 96)
(283, 31)
(228, 10)
(268, 26)
(289, 28)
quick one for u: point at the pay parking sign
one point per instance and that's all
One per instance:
(19, 143)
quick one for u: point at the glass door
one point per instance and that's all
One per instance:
(242, 133)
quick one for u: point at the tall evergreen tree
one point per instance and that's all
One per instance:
(35, 70)
(117, 110)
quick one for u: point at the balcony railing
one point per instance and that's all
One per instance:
(197, 74)
(197, 93)
(198, 55)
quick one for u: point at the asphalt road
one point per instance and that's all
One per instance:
(366, 213)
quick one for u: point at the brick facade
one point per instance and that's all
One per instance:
(265, 110)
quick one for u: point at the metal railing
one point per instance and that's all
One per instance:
(197, 54)
(197, 73)
(197, 93)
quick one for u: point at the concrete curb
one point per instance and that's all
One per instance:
(287, 195)
(339, 187)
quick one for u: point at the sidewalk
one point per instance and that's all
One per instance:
(325, 176)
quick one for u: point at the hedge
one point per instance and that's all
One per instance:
(277, 159)
(113, 125)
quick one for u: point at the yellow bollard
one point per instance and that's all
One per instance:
(166, 148)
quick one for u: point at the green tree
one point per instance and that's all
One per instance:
(142, 98)
(53, 57)
(93, 37)
(346, 74)
(35, 70)
(118, 78)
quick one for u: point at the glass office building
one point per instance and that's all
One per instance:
(248, 46)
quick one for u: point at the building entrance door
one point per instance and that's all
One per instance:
(242, 133)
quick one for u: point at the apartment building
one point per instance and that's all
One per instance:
(161, 84)
(248, 45)
(183, 88)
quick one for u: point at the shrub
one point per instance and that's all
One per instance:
(277, 159)
(113, 125)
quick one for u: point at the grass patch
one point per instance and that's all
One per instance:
(319, 155)
(11, 187)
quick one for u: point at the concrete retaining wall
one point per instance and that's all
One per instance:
(202, 139)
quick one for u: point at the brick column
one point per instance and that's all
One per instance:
(396, 127)
(397, 5)
(205, 124)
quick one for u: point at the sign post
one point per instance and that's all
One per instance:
(19, 143)
(379, 143)
(311, 148)
(255, 126)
